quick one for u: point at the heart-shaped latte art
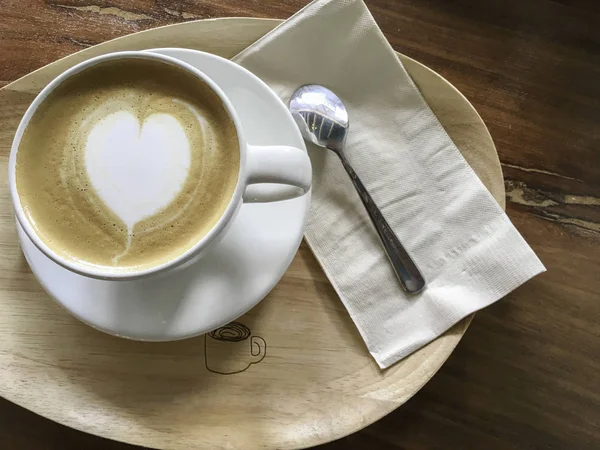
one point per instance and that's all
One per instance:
(137, 169)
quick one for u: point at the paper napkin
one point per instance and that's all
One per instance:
(466, 247)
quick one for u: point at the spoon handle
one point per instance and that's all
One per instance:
(407, 272)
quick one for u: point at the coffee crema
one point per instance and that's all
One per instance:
(127, 164)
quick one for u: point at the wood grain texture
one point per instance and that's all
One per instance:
(525, 375)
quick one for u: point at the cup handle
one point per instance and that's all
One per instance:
(279, 164)
(258, 349)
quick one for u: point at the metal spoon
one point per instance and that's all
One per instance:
(323, 120)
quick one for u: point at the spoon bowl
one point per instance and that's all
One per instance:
(321, 116)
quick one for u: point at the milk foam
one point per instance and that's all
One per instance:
(137, 169)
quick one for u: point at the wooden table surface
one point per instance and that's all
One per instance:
(527, 373)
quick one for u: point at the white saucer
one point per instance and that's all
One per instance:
(233, 276)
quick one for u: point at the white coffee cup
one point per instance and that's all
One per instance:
(258, 164)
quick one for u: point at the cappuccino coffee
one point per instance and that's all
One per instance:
(127, 164)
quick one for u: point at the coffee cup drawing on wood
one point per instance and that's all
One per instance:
(232, 349)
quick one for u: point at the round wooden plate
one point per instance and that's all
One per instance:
(292, 373)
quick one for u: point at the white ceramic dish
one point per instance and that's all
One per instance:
(234, 275)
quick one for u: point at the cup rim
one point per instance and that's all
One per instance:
(102, 272)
